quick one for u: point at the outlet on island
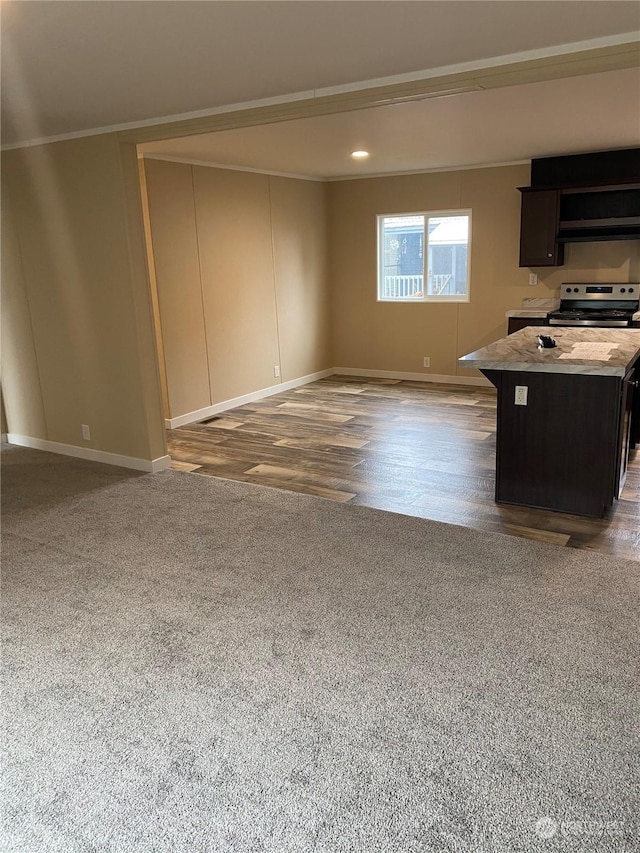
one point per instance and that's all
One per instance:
(521, 395)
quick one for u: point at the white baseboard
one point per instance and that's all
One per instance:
(225, 405)
(414, 377)
(149, 465)
(162, 462)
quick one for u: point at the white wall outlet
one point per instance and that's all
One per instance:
(521, 395)
(276, 370)
(533, 279)
(86, 432)
(426, 361)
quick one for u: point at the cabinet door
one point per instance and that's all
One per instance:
(539, 219)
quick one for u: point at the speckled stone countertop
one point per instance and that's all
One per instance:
(520, 351)
(535, 307)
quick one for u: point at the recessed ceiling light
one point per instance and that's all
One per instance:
(359, 155)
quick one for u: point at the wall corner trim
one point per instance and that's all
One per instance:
(3, 438)
(148, 465)
(160, 464)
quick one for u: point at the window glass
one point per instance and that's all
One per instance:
(406, 272)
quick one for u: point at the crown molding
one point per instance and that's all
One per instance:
(464, 168)
(189, 161)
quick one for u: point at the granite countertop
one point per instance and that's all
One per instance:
(535, 307)
(533, 313)
(520, 351)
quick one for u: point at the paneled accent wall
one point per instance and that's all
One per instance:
(177, 272)
(241, 270)
(299, 220)
(238, 283)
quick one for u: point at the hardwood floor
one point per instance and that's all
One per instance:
(414, 448)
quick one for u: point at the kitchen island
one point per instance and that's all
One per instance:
(566, 418)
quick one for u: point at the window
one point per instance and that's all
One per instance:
(424, 257)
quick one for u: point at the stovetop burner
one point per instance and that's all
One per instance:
(604, 314)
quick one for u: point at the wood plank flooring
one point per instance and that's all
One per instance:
(409, 447)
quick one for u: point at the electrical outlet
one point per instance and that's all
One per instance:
(86, 432)
(521, 395)
(426, 361)
(533, 279)
(276, 370)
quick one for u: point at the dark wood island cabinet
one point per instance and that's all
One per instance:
(565, 422)
(515, 324)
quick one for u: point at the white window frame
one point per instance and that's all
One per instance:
(458, 297)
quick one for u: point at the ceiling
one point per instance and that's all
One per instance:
(572, 115)
(70, 67)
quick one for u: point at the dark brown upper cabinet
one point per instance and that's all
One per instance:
(539, 222)
(579, 198)
(597, 168)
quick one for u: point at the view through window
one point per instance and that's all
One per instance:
(424, 256)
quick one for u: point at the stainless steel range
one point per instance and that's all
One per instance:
(607, 305)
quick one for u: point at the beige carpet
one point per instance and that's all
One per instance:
(193, 664)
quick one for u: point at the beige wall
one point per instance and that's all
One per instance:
(4, 429)
(396, 337)
(153, 289)
(300, 248)
(77, 328)
(240, 265)
(20, 374)
(236, 261)
(618, 260)
(78, 346)
(177, 274)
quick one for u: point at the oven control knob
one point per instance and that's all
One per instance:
(623, 290)
(575, 289)
(568, 290)
(630, 290)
